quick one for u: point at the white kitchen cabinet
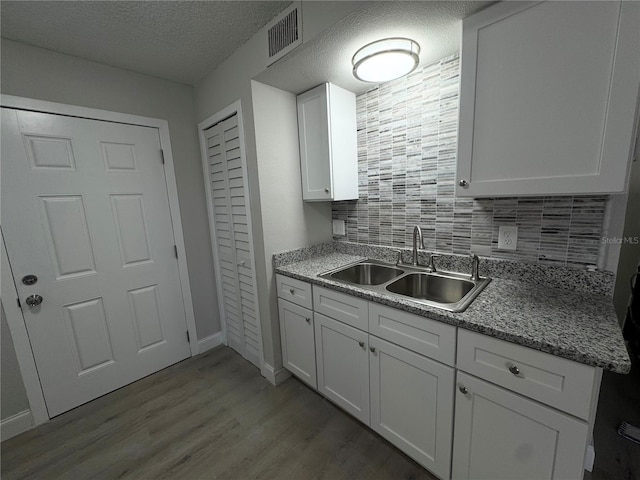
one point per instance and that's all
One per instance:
(412, 404)
(501, 435)
(548, 98)
(328, 147)
(298, 341)
(342, 357)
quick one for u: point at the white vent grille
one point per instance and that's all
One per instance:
(284, 33)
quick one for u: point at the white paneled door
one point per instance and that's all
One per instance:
(229, 213)
(85, 209)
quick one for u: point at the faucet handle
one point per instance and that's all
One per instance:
(430, 265)
(398, 257)
(475, 266)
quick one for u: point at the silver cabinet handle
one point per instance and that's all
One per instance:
(464, 390)
(308, 320)
(514, 369)
(372, 349)
(361, 344)
(463, 183)
(292, 291)
(33, 300)
(326, 190)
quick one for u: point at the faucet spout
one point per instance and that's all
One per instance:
(417, 237)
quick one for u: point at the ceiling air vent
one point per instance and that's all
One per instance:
(285, 32)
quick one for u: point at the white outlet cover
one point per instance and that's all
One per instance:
(338, 227)
(507, 237)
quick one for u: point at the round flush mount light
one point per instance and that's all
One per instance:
(385, 60)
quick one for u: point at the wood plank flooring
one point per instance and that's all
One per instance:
(210, 417)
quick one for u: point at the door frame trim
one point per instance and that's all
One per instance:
(15, 318)
(234, 108)
(20, 338)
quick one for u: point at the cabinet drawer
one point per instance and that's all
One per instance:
(556, 381)
(422, 335)
(294, 291)
(346, 308)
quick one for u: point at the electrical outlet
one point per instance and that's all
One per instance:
(507, 237)
(338, 227)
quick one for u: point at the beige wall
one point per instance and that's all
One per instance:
(232, 81)
(287, 221)
(46, 75)
(629, 251)
(13, 398)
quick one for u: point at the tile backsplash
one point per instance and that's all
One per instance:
(407, 142)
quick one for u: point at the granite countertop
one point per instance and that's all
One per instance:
(571, 324)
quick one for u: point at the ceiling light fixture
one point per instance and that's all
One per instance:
(385, 60)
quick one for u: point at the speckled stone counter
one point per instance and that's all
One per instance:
(568, 323)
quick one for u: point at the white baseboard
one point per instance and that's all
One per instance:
(276, 378)
(207, 343)
(15, 425)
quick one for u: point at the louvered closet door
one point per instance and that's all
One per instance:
(233, 238)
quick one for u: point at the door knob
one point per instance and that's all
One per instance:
(33, 300)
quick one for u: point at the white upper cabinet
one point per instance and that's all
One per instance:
(328, 147)
(548, 97)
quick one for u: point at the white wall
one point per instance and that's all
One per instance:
(229, 82)
(287, 221)
(13, 398)
(33, 72)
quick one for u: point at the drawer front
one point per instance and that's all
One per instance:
(556, 381)
(422, 335)
(348, 309)
(294, 291)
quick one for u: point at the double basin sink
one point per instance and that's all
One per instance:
(447, 290)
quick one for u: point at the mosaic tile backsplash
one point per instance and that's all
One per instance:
(407, 141)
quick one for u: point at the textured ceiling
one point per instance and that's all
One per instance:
(436, 26)
(177, 40)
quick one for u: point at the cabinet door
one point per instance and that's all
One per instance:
(315, 151)
(343, 366)
(298, 345)
(501, 435)
(412, 404)
(547, 99)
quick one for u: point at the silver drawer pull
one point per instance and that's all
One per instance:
(308, 320)
(292, 291)
(361, 344)
(514, 369)
(464, 390)
(372, 349)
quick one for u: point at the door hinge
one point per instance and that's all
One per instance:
(188, 337)
(162, 155)
(175, 250)
(19, 304)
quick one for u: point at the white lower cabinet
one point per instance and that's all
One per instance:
(343, 365)
(297, 338)
(501, 435)
(531, 422)
(412, 403)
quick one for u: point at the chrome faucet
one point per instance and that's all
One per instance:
(474, 267)
(417, 234)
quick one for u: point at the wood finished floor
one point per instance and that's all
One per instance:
(210, 417)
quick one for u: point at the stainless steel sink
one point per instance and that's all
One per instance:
(367, 273)
(447, 290)
(428, 286)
